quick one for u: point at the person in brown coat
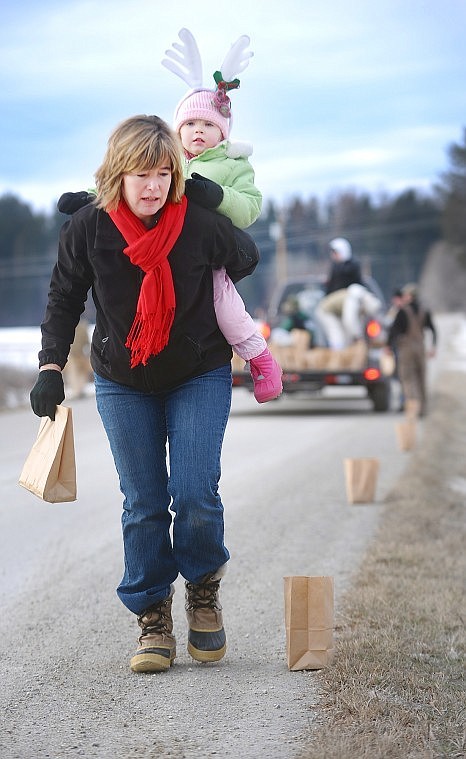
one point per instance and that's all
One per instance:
(406, 339)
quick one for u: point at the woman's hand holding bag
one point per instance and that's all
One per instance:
(47, 393)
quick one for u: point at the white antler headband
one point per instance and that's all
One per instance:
(237, 58)
(185, 61)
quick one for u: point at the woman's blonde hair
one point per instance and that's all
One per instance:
(140, 143)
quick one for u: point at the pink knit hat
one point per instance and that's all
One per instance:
(205, 105)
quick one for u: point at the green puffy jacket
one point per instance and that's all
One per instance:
(228, 165)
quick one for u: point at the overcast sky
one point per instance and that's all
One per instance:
(364, 94)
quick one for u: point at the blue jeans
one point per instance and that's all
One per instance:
(161, 484)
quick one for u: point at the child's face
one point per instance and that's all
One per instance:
(198, 135)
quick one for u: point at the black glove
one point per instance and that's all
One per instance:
(70, 202)
(47, 393)
(203, 191)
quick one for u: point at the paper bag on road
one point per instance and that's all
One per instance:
(406, 434)
(309, 622)
(50, 469)
(361, 479)
(412, 409)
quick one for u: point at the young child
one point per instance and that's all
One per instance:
(209, 154)
(203, 121)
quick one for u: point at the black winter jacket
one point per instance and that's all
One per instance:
(90, 257)
(343, 274)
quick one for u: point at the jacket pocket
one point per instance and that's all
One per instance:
(100, 346)
(194, 347)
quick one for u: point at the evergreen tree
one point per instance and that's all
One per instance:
(453, 194)
(28, 244)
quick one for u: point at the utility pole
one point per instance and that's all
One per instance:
(277, 234)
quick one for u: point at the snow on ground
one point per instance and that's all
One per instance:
(19, 346)
(458, 345)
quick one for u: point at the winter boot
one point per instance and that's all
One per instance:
(157, 646)
(206, 637)
(267, 377)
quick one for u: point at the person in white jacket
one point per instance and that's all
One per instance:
(347, 299)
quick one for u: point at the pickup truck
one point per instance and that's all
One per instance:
(309, 365)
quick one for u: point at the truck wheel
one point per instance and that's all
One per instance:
(379, 393)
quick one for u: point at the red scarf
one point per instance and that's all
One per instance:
(149, 249)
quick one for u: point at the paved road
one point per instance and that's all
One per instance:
(65, 686)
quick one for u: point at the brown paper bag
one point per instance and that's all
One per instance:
(387, 364)
(406, 434)
(412, 409)
(309, 622)
(50, 470)
(361, 479)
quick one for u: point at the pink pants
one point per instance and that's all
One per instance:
(236, 325)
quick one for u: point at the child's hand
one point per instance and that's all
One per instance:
(70, 202)
(203, 191)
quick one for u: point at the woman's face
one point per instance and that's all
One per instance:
(146, 192)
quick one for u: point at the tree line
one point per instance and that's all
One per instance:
(391, 236)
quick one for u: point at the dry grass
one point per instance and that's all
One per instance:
(397, 686)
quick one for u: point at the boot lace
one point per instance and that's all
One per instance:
(203, 596)
(155, 620)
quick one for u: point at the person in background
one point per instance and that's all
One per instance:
(291, 317)
(346, 300)
(345, 270)
(406, 338)
(162, 373)
(395, 305)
